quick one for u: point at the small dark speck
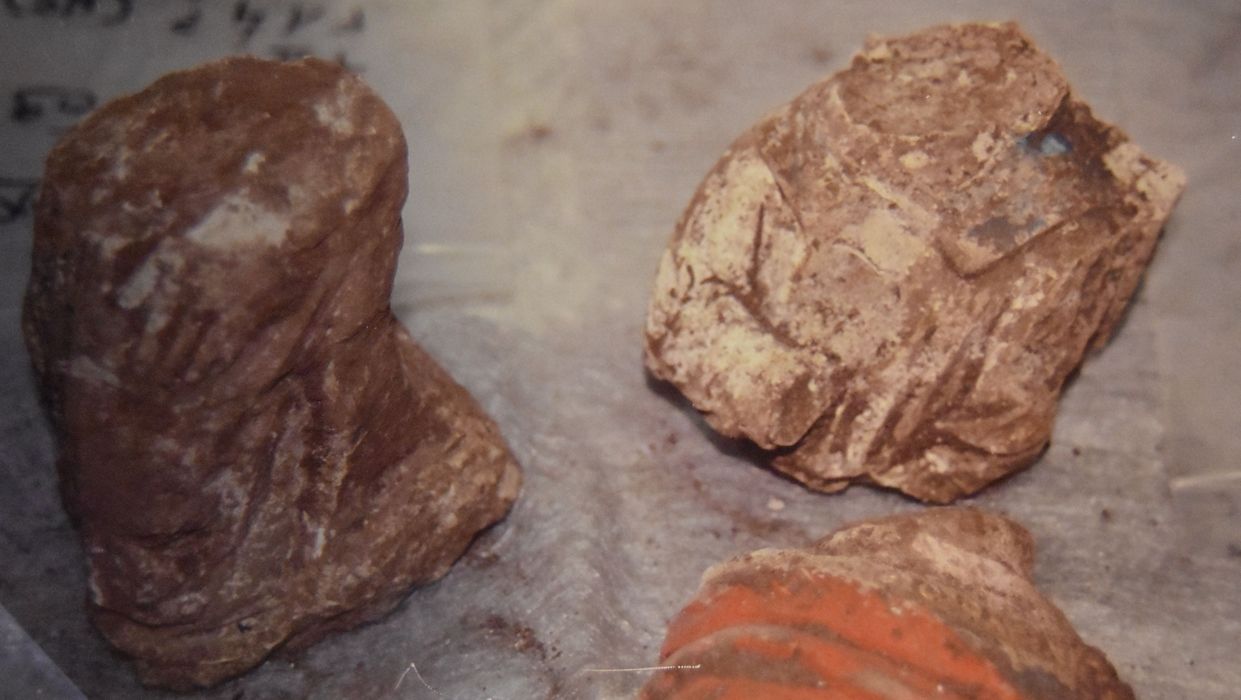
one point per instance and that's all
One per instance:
(239, 695)
(1234, 549)
(1105, 515)
(1077, 452)
(820, 55)
(671, 439)
(531, 133)
(539, 132)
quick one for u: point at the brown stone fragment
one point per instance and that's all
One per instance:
(889, 279)
(255, 451)
(934, 604)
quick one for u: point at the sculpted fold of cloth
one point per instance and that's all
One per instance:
(889, 279)
(255, 451)
(937, 604)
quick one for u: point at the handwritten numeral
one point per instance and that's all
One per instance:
(109, 12)
(40, 102)
(356, 23)
(16, 196)
(301, 16)
(188, 22)
(248, 18)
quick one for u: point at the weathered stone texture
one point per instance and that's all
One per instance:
(255, 451)
(890, 278)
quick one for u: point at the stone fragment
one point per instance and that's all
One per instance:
(255, 451)
(937, 604)
(889, 279)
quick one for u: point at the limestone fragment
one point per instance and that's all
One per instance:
(889, 279)
(255, 451)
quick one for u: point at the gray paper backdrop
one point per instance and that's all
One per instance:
(553, 144)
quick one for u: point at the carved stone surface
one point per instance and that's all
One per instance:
(934, 604)
(890, 278)
(255, 451)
